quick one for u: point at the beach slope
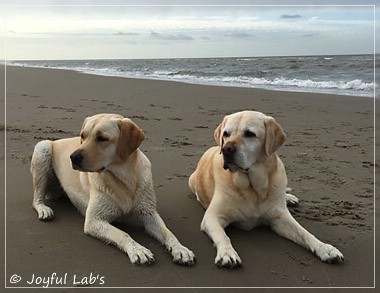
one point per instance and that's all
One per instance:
(328, 155)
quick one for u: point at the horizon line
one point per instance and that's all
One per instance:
(216, 57)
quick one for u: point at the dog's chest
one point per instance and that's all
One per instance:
(250, 215)
(250, 208)
(124, 199)
(121, 193)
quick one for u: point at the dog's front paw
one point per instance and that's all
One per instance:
(329, 254)
(182, 255)
(227, 257)
(44, 212)
(140, 255)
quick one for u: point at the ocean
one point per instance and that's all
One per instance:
(341, 74)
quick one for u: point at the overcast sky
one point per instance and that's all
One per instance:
(89, 32)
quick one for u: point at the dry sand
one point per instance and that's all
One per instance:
(328, 156)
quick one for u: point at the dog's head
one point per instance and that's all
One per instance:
(105, 139)
(246, 138)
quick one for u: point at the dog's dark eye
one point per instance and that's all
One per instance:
(249, 133)
(101, 138)
(82, 136)
(226, 134)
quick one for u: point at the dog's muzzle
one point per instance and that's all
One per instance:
(76, 160)
(229, 151)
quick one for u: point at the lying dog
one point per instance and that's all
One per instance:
(105, 176)
(253, 189)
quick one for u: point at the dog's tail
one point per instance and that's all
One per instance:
(42, 171)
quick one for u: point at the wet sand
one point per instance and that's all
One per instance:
(328, 155)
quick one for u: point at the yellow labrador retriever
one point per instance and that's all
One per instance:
(243, 181)
(105, 175)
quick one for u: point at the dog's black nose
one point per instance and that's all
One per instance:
(229, 149)
(76, 158)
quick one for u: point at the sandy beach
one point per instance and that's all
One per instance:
(328, 156)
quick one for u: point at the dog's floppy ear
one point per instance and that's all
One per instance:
(131, 136)
(274, 135)
(83, 125)
(218, 134)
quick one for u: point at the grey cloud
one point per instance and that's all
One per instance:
(238, 35)
(310, 35)
(204, 38)
(126, 34)
(171, 37)
(291, 16)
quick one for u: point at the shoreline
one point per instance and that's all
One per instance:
(296, 90)
(328, 155)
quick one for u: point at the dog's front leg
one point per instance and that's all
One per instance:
(103, 230)
(156, 227)
(286, 226)
(214, 226)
